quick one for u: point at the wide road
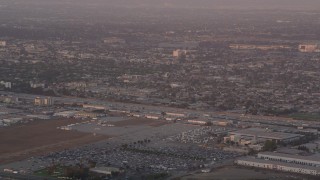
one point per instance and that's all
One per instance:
(267, 120)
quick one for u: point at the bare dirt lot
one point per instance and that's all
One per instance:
(40, 137)
(139, 121)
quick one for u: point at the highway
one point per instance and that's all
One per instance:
(266, 120)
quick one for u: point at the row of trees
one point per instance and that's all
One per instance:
(269, 146)
(141, 142)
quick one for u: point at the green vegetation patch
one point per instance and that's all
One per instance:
(53, 171)
(306, 116)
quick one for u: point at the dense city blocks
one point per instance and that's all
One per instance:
(159, 89)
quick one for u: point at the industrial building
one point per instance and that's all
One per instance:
(258, 135)
(93, 106)
(313, 160)
(66, 114)
(105, 170)
(43, 101)
(278, 165)
(84, 114)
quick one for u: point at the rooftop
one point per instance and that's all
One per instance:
(314, 158)
(263, 133)
(105, 170)
(257, 160)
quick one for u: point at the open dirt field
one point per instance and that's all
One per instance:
(40, 137)
(139, 121)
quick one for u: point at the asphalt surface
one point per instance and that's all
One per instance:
(12, 176)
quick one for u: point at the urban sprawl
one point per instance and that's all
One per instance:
(144, 94)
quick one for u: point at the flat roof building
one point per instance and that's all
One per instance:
(313, 160)
(261, 135)
(3, 43)
(105, 170)
(43, 101)
(280, 166)
(309, 47)
(179, 53)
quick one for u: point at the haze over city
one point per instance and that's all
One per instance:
(159, 89)
(209, 4)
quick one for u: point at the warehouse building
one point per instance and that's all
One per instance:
(105, 170)
(313, 160)
(257, 135)
(280, 166)
(48, 101)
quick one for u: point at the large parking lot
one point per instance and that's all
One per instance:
(150, 150)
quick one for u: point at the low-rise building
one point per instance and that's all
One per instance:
(152, 116)
(313, 160)
(3, 43)
(198, 122)
(93, 106)
(258, 135)
(43, 101)
(66, 114)
(9, 99)
(6, 84)
(84, 114)
(309, 48)
(277, 165)
(179, 53)
(105, 170)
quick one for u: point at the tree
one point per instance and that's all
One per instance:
(303, 148)
(208, 124)
(125, 146)
(269, 145)
(77, 172)
(251, 152)
(92, 163)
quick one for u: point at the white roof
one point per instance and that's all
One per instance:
(313, 158)
(257, 160)
(262, 133)
(105, 170)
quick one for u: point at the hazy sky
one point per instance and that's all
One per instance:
(242, 4)
(217, 3)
